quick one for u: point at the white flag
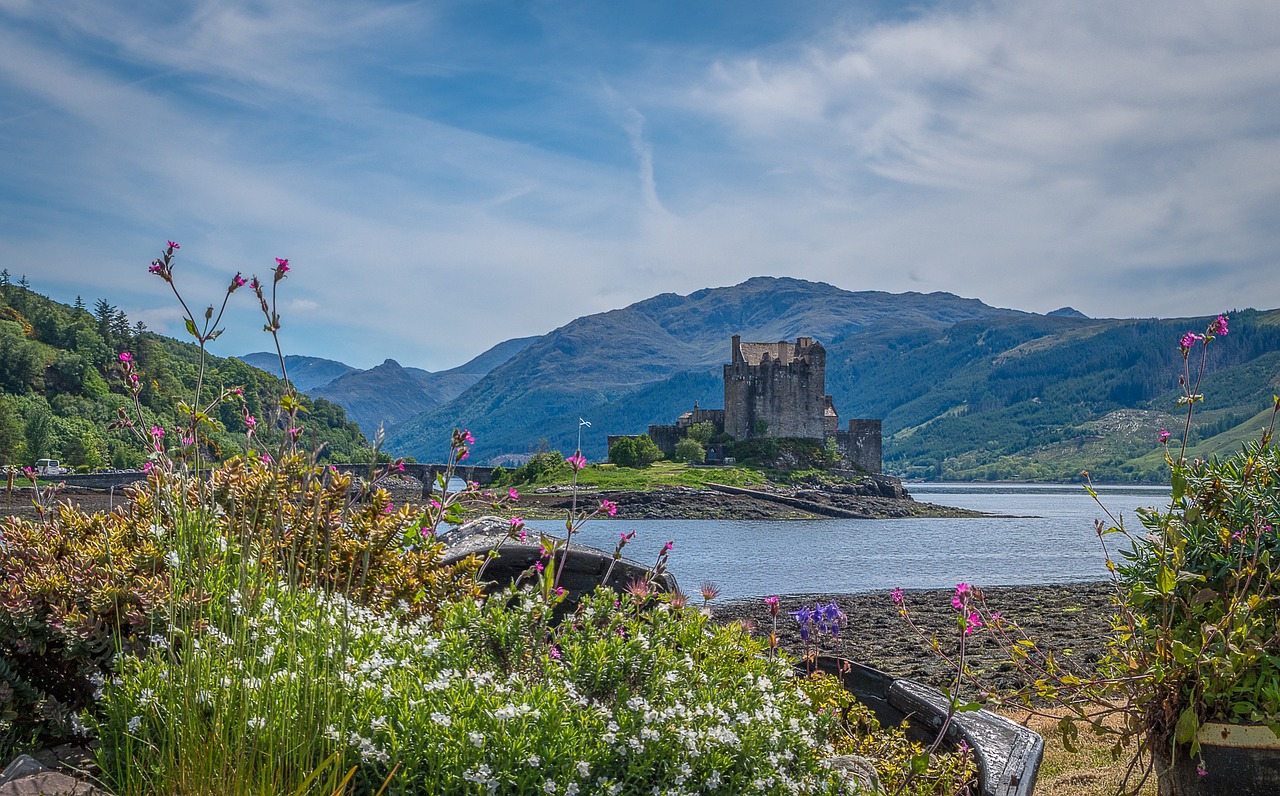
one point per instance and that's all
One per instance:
(582, 422)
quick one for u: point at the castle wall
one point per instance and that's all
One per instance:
(786, 394)
(861, 445)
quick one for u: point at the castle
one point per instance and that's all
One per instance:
(779, 390)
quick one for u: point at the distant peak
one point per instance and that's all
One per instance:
(1067, 312)
(389, 363)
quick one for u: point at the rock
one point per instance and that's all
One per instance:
(21, 766)
(48, 783)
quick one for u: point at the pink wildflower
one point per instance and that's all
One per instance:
(1164, 436)
(1220, 325)
(666, 548)
(896, 595)
(577, 461)
(250, 422)
(266, 458)
(772, 603)
(559, 591)
(961, 597)
(125, 356)
(513, 494)
(390, 507)
(1189, 339)
(295, 433)
(609, 507)
(554, 652)
(972, 622)
(146, 467)
(282, 267)
(1201, 770)
(173, 245)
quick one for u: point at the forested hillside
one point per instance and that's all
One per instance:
(61, 384)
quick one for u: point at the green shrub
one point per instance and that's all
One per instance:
(688, 450)
(633, 452)
(632, 696)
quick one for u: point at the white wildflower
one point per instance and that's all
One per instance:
(441, 719)
(256, 722)
(172, 559)
(134, 724)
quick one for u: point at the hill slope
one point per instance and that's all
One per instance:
(585, 367)
(390, 394)
(966, 391)
(61, 384)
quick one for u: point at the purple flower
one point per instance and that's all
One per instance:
(1164, 436)
(1189, 339)
(577, 462)
(896, 596)
(608, 507)
(282, 266)
(1220, 325)
(772, 603)
(238, 281)
(126, 357)
(513, 494)
(1200, 769)
(173, 245)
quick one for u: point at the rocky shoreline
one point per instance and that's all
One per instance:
(1071, 620)
(869, 498)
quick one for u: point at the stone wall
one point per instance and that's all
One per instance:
(775, 396)
(861, 445)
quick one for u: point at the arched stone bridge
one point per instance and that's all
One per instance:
(427, 473)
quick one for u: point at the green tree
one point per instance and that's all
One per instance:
(691, 451)
(623, 452)
(38, 432)
(702, 432)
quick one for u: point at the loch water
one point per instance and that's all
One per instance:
(1038, 534)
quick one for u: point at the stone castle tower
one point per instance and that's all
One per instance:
(777, 390)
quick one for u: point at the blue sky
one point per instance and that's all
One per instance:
(447, 175)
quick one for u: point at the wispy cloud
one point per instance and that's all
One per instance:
(445, 176)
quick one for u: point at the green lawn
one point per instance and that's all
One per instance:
(664, 474)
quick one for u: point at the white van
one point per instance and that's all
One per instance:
(49, 467)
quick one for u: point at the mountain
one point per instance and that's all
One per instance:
(965, 390)
(661, 347)
(306, 373)
(390, 394)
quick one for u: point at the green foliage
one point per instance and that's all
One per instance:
(857, 732)
(690, 451)
(1201, 585)
(638, 451)
(702, 432)
(59, 364)
(633, 695)
(75, 591)
(542, 468)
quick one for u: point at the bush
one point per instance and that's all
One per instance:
(690, 451)
(634, 695)
(638, 451)
(81, 588)
(541, 467)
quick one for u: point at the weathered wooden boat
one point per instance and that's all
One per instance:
(585, 567)
(1008, 755)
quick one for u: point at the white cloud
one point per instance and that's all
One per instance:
(1032, 154)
